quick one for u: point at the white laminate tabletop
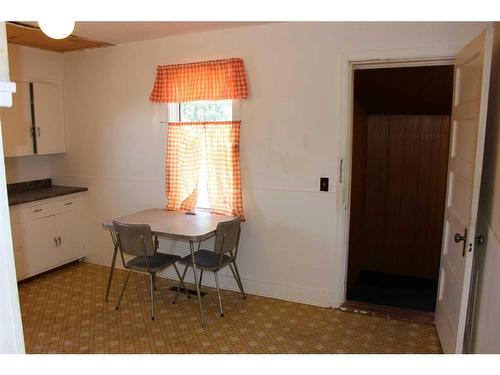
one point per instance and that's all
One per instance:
(174, 224)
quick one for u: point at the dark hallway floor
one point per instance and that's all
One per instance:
(394, 290)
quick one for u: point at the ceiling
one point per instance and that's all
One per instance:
(32, 36)
(425, 90)
(124, 32)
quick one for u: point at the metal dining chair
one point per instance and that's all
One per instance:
(227, 237)
(137, 240)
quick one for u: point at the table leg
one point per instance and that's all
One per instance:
(191, 246)
(113, 260)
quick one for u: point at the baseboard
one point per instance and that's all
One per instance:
(308, 296)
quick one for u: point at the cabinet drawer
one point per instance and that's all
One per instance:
(38, 211)
(69, 204)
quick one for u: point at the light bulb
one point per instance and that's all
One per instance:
(57, 29)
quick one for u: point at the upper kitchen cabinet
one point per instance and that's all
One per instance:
(17, 127)
(35, 122)
(48, 118)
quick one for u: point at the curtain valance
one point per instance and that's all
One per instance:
(206, 80)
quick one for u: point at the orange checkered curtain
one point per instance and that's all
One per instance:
(222, 147)
(206, 80)
(183, 165)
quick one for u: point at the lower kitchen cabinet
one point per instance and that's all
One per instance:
(39, 244)
(47, 234)
(68, 229)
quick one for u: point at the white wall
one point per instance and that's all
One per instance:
(486, 338)
(37, 65)
(27, 168)
(291, 134)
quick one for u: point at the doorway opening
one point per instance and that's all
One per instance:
(400, 149)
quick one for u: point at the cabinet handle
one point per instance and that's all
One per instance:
(37, 210)
(31, 131)
(59, 238)
(38, 130)
(55, 241)
(68, 204)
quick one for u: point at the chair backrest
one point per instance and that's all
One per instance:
(227, 236)
(134, 239)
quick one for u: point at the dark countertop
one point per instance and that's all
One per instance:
(30, 191)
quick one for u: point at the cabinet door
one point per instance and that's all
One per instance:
(19, 252)
(40, 244)
(69, 230)
(49, 118)
(16, 123)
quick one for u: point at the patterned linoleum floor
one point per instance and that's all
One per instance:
(64, 312)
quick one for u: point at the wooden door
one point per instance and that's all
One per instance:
(49, 121)
(398, 195)
(16, 123)
(470, 100)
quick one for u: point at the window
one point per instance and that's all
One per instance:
(202, 111)
(208, 90)
(206, 110)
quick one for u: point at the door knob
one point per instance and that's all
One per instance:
(459, 238)
(480, 240)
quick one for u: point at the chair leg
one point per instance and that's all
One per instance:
(236, 275)
(201, 277)
(181, 282)
(111, 270)
(218, 294)
(202, 320)
(123, 290)
(152, 289)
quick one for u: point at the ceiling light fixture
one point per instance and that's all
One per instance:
(57, 29)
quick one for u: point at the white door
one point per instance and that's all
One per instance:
(470, 101)
(16, 121)
(49, 121)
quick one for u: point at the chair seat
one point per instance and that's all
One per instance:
(156, 262)
(207, 260)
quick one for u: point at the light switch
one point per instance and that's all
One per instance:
(323, 183)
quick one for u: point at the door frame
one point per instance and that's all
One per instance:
(433, 56)
(12, 339)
